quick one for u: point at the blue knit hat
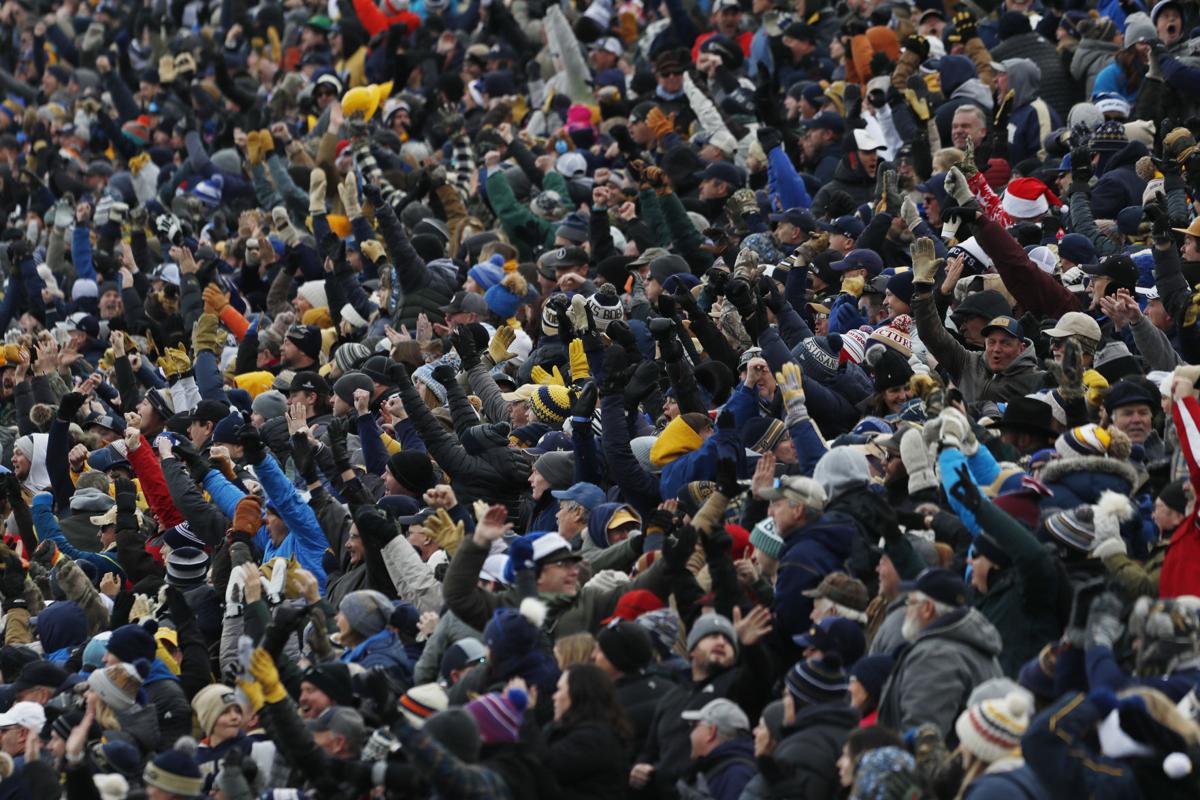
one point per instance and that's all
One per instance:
(819, 680)
(517, 646)
(131, 642)
(209, 191)
(424, 374)
(488, 273)
(872, 672)
(506, 296)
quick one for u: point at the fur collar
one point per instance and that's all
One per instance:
(1060, 468)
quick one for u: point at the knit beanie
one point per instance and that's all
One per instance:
(313, 292)
(424, 374)
(210, 703)
(332, 678)
(551, 404)
(1085, 440)
(271, 404)
(992, 729)
(455, 730)
(854, 346)
(1075, 528)
(174, 772)
(517, 647)
(819, 680)
(558, 468)
(345, 386)
(897, 335)
(663, 625)
(708, 625)
(499, 716)
(507, 296)
(367, 611)
(118, 685)
(351, 355)
(872, 672)
(819, 356)
(307, 339)
(93, 654)
(413, 470)
(1174, 497)
(606, 306)
(766, 540)
(131, 642)
(421, 702)
(626, 645)
(889, 367)
(762, 434)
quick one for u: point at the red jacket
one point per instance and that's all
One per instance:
(374, 21)
(144, 461)
(1179, 573)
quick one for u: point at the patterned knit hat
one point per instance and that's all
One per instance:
(854, 346)
(761, 434)
(499, 716)
(886, 772)
(551, 404)
(819, 680)
(421, 702)
(351, 355)
(1109, 135)
(1085, 440)
(118, 685)
(1075, 529)
(897, 335)
(606, 306)
(993, 729)
(819, 356)
(766, 540)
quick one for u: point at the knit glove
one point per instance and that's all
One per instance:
(252, 445)
(445, 531)
(910, 214)
(263, 668)
(1104, 626)
(892, 200)
(790, 380)
(956, 187)
(925, 261)
(316, 192)
(956, 432)
(207, 335)
(283, 225)
(915, 456)
(502, 339)
(348, 191)
(1108, 543)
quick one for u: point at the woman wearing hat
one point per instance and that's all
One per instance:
(115, 694)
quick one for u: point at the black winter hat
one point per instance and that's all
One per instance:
(889, 367)
(626, 645)
(345, 386)
(131, 642)
(332, 678)
(412, 470)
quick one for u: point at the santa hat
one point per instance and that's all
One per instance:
(1026, 198)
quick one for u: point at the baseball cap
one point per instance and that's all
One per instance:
(649, 255)
(553, 549)
(865, 140)
(797, 216)
(847, 225)
(859, 259)
(1075, 323)
(563, 257)
(1006, 324)
(609, 44)
(797, 488)
(588, 495)
(938, 584)
(418, 518)
(1119, 267)
(467, 650)
(464, 302)
(725, 715)
(826, 121)
(30, 716)
(722, 171)
(341, 720)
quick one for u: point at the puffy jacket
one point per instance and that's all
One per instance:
(1119, 186)
(171, 705)
(1077, 481)
(849, 177)
(385, 650)
(809, 554)
(804, 764)
(935, 674)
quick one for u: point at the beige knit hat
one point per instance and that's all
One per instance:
(210, 703)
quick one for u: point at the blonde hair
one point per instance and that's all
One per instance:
(105, 716)
(946, 158)
(1165, 712)
(574, 649)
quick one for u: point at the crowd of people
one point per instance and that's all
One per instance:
(739, 399)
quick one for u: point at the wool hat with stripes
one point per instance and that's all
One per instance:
(992, 729)
(817, 681)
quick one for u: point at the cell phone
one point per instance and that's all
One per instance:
(1081, 601)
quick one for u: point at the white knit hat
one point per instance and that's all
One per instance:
(992, 729)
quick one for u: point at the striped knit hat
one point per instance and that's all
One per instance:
(766, 540)
(854, 346)
(993, 729)
(897, 335)
(1075, 529)
(1085, 440)
(551, 404)
(499, 716)
(421, 702)
(819, 680)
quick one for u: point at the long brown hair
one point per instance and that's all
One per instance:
(594, 699)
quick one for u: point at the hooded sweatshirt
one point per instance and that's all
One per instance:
(33, 447)
(1025, 124)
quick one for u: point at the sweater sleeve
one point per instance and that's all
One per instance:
(154, 486)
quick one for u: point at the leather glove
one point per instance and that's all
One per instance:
(215, 300)
(69, 405)
(643, 381)
(304, 458)
(910, 214)
(925, 261)
(662, 124)
(1160, 220)
(252, 444)
(445, 531)
(464, 345)
(585, 403)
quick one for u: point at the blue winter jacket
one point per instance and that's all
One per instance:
(45, 525)
(382, 650)
(809, 554)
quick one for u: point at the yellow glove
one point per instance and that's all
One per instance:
(445, 531)
(543, 378)
(262, 667)
(659, 122)
(373, 250)
(1097, 387)
(253, 149)
(215, 300)
(853, 284)
(207, 335)
(174, 361)
(791, 381)
(577, 361)
(1193, 311)
(919, 106)
(138, 162)
(108, 360)
(253, 692)
(266, 142)
(934, 81)
(502, 339)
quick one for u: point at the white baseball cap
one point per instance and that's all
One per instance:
(30, 716)
(865, 140)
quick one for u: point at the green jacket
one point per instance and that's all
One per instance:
(527, 232)
(1020, 600)
(1137, 578)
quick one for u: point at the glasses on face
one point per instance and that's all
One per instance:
(672, 73)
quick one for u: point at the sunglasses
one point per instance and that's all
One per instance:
(671, 73)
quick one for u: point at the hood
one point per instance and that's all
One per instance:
(976, 91)
(1083, 473)
(841, 469)
(835, 532)
(1024, 78)
(600, 518)
(34, 446)
(1127, 156)
(1088, 53)
(676, 440)
(159, 671)
(850, 171)
(61, 624)
(965, 626)
(954, 71)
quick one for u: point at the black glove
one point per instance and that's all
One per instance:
(399, 375)
(252, 444)
(965, 491)
(444, 374)
(373, 194)
(336, 432)
(727, 480)
(726, 421)
(197, 464)
(661, 328)
(1160, 219)
(717, 544)
(375, 528)
(288, 620)
(615, 365)
(964, 25)
(688, 303)
(69, 405)
(666, 305)
(966, 215)
(619, 332)
(464, 345)
(772, 298)
(304, 458)
(738, 292)
(769, 138)
(11, 486)
(12, 581)
(717, 280)
(1081, 164)
(678, 548)
(126, 492)
(585, 403)
(559, 304)
(639, 386)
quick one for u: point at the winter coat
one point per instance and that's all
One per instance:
(412, 578)
(1179, 574)
(969, 369)
(1059, 90)
(961, 86)
(1019, 783)
(1021, 598)
(804, 763)
(1119, 186)
(448, 631)
(935, 674)
(422, 288)
(722, 774)
(1026, 127)
(171, 705)
(638, 695)
(140, 722)
(589, 761)
(1078, 481)
(566, 614)
(809, 554)
(1032, 288)
(1091, 56)
(849, 177)
(496, 474)
(384, 649)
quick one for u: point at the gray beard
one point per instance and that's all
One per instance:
(910, 630)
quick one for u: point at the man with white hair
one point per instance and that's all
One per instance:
(952, 650)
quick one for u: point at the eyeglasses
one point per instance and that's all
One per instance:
(671, 73)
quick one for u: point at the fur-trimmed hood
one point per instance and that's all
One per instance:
(1059, 469)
